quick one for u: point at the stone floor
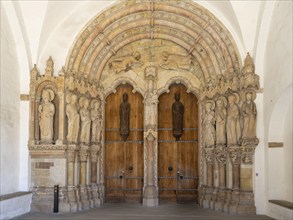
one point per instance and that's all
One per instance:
(138, 212)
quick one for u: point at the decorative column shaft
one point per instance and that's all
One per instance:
(150, 193)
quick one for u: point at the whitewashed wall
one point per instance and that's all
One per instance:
(10, 111)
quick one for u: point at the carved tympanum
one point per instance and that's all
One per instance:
(208, 124)
(233, 122)
(177, 117)
(46, 113)
(220, 117)
(85, 120)
(124, 117)
(73, 118)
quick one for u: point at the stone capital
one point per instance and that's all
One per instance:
(70, 154)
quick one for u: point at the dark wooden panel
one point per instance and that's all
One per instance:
(121, 155)
(181, 155)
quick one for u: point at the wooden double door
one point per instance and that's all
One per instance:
(124, 158)
(178, 160)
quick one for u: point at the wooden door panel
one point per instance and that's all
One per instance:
(182, 154)
(120, 155)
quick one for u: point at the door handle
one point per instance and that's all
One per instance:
(122, 174)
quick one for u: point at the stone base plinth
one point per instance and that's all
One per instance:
(150, 202)
(233, 202)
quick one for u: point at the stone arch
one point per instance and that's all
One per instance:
(185, 23)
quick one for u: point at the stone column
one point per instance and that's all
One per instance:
(61, 108)
(209, 191)
(150, 192)
(95, 197)
(221, 158)
(71, 152)
(235, 156)
(84, 198)
(150, 196)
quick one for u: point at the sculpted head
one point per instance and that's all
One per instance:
(177, 96)
(46, 96)
(248, 96)
(86, 103)
(219, 103)
(125, 97)
(73, 99)
(231, 99)
(208, 106)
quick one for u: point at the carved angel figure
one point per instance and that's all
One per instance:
(233, 123)
(73, 118)
(126, 63)
(220, 116)
(176, 61)
(208, 124)
(248, 111)
(96, 117)
(47, 111)
(85, 120)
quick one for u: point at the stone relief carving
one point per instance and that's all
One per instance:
(248, 111)
(73, 118)
(208, 124)
(50, 67)
(97, 121)
(210, 155)
(126, 63)
(85, 118)
(177, 117)
(248, 77)
(124, 117)
(151, 98)
(176, 61)
(83, 86)
(233, 120)
(46, 116)
(220, 117)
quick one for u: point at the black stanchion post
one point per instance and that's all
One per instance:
(56, 195)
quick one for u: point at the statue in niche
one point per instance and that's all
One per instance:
(85, 118)
(233, 122)
(96, 117)
(249, 112)
(126, 63)
(220, 117)
(208, 124)
(177, 117)
(176, 61)
(46, 116)
(73, 118)
(124, 117)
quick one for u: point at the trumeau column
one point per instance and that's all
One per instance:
(150, 191)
